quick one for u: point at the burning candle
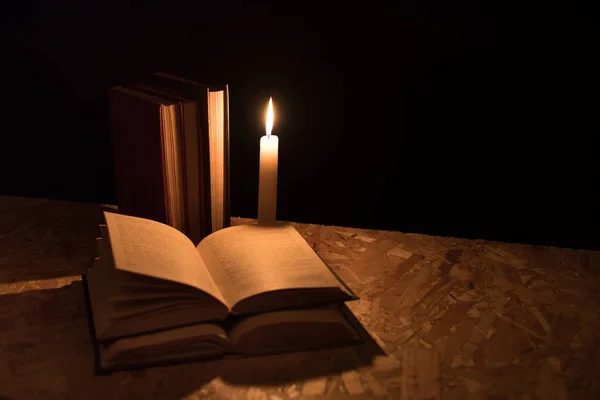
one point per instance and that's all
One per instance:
(267, 180)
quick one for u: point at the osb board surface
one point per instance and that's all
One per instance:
(457, 319)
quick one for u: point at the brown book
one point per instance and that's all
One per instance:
(241, 290)
(171, 152)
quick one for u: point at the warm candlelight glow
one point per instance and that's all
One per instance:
(270, 117)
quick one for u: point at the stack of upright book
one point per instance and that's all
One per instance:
(170, 140)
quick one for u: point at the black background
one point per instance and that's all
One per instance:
(464, 119)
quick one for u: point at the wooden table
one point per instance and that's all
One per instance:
(456, 318)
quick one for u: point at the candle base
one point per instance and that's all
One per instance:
(267, 215)
(267, 223)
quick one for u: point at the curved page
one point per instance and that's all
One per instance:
(248, 260)
(153, 249)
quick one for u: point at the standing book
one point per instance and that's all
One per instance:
(171, 153)
(245, 290)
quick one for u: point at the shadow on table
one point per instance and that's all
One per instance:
(46, 352)
(44, 239)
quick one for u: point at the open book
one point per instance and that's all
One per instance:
(151, 277)
(266, 333)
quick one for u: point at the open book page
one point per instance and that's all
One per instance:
(124, 303)
(249, 259)
(153, 249)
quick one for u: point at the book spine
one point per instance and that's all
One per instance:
(227, 196)
(184, 161)
(204, 154)
(163, 149)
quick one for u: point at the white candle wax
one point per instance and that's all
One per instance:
(267, 181)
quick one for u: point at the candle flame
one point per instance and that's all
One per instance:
(270, 117)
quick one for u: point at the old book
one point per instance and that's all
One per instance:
(150, 277)
(171, 153)
(261, 334)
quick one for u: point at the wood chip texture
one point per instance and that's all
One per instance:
(455, 318)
